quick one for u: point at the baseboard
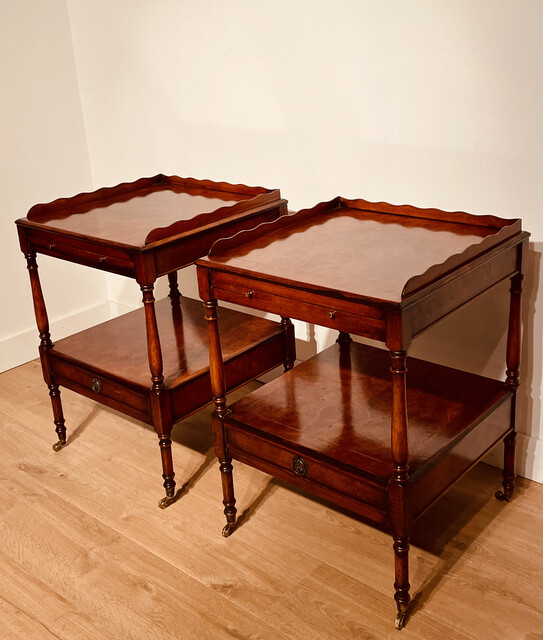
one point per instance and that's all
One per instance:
(23, 347)
(119, 308)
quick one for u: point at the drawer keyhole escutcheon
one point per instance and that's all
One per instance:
(250, 294)
(96, 385)
(299, 466)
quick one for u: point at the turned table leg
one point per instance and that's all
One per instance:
(512, 381)
(174, 288)
(218, 388)
(160, 399)
(42, 322)
(400, 513)
(290, 344)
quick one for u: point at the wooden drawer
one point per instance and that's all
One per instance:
(344, 488)
(84, 253)
(118, 396)
(285, 301)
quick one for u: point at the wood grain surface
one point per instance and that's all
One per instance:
(81, 559)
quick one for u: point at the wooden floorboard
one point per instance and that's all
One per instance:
(87, 553)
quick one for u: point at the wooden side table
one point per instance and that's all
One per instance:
(151, 364)
(352, 424)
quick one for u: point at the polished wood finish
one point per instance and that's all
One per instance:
(81, 559)
(151, 364)
(122, 214)
(512, 380)
(388, 273)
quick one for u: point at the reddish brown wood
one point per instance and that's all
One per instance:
(173, 284)
(37, 297)
(58, 415)
(400, 512)
(114, 228)
(436, 246)
(122, 214)
(381, 441)
(290, 356)
(44, 348)
(218, 388)
(512, 380)
(145, 229)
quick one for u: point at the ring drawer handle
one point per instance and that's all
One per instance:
(96, 385)
(250, 294)
(299, 466)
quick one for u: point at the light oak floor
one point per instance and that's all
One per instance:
(85, 553)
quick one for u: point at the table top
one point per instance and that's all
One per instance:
(360, 249)
(149, 210)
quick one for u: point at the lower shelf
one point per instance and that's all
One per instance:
(109, 362)
(325, 426)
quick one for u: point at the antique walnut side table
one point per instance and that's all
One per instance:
(352, 424)
(152, 363)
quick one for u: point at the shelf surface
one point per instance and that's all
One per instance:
(147, 210)
(337, 406)
(361, 249)
(118, 348)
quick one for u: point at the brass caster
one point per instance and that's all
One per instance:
(58, 445)
(400, 620)
(228, 529)
(166, 502)
(500, 495)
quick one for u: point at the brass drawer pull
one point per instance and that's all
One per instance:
(332, 314)
(250, 294)
(96, 385)
(299, 466)
(102, 258)
(51, 247)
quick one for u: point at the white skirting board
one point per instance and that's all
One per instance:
(529, 457)
(22, 347)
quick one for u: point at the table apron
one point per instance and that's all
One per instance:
(85, 253)
(368, 321)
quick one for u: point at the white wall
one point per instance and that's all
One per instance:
(44, 156)
(431, 103)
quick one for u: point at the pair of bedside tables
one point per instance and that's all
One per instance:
(371, 430)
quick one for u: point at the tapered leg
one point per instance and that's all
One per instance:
(174, 288)
(227, 483)
(54, 393)
(290, 344)
(218, 388)
(400, 513)
(165, 444)
(160, 398)
(42, 322)
(508, 483)
(512, 381)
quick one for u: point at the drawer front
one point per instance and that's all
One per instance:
(84, 253)
(100, 388)
(345, 489)
(286, 301)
